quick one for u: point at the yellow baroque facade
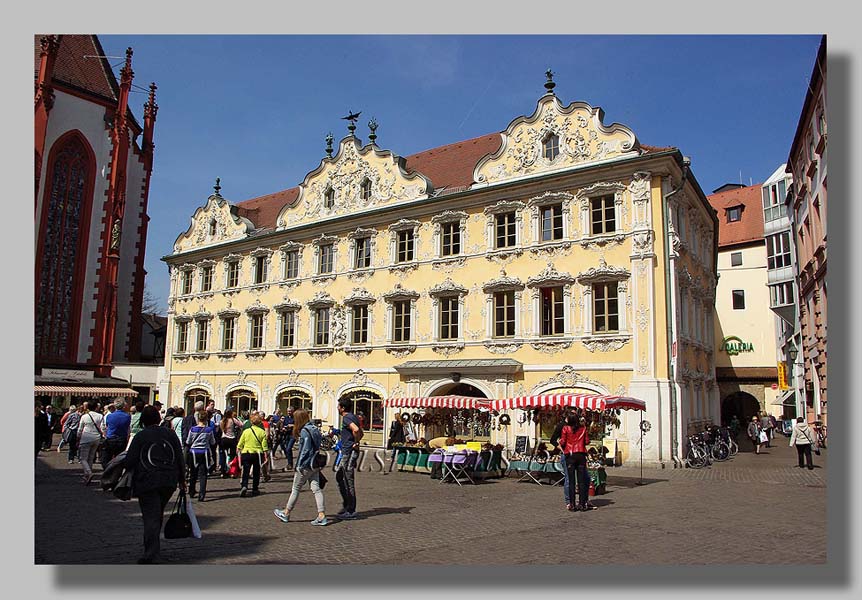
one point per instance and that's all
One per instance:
(559, 254)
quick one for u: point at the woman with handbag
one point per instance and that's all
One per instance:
(754, 431)
(230, 428)
(90, 435)
(573, 442)
(307, 468)
(803, 438)
(253, 449)
(156, 457)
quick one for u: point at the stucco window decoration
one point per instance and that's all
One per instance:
(325, 257)
(361, 248)
(359, 297)
(232, 269)
(551, 288)
(587, 200)
(503, 228)
(260, 258)
(502, 325)
(600, 277)
(397, 296)
(291, 260)
(447, 301)
(206, 268)
(450, 234)
(402, 245)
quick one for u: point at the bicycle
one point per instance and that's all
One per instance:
(716, 441)
(820, 431)
(698, 455)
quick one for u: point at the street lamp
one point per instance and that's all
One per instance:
(792, 353)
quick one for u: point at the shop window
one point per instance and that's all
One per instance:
(291, 264)
(404, 251)
(321, 326)
(552, 311)
(504, 314)
(735, 259)
(401, 321)
(207, 278)
(605, 307)
(505, 230)
(450, 239)
(359, 324)
(362, 250)
(242, 402)
(603, 213)
(256, 337)
(296, 399)
(738, 299)
(552, 222)
(324, 261)
(194, 396)
(227, 335)
(551, 146)
(368, 408)
(449, 318)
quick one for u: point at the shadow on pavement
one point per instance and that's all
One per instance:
(385, 510)
(631, 482)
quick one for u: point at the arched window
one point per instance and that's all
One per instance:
(368, 408)
(329, 198)
(62, 249)
(365, 189)
(295, 398)
(242, 401)
(550, 146)
(194, 395)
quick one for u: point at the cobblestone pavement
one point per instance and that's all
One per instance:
(678, 516)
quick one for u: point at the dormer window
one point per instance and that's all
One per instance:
(212, 227)
(734, 213)
(365, 189)
(329, 198)
(551, 146)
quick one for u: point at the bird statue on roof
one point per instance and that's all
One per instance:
(352, 117)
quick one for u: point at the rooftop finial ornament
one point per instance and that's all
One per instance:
(549, 84)
(329, 144)
(352, 117)
(372, 125)
(217, 186)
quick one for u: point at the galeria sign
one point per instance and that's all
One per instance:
(733, 345)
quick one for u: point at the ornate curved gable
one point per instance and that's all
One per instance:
(343, 176)
(212, 224)
(583, 139)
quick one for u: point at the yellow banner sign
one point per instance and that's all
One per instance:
(782, 376)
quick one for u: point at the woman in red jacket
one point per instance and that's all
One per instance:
(573, 442)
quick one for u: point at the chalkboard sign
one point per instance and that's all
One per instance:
(521, 442)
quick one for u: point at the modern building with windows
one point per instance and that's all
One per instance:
(560, 254)
(745, 346)
(807, 208)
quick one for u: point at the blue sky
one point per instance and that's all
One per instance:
(254, 109)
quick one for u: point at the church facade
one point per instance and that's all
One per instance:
(560, 254)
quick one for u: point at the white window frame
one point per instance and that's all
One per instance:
(286, 250)
(444, 219)
(403, 225)
(538, 203)
(500, 208)
(353, 240)
(232, 259)
(203, 266)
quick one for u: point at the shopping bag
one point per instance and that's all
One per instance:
(123, 489)
(233, 467)
(179, 525)
(196, 530)
(816, 450)
(763, 437)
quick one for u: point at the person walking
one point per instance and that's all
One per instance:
(70, 430)
(734, 427)
(177, 422)
(289, 438)
(309, 445)
(253, 450)
(90, 436)
(767, 425)
(555, 441)
(396, 432)
(754, 433)
(351, 434)
(156, 456)
(573, 441)
(191, 419)
(803, 438)
(230, 432)
(117, 426)
(200, 447)
(42, 427)
(135, 422)
(53, 418)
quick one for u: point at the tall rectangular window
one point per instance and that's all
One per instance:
(401, 321)
(553, 321)
(321, 326)
(738, 299)
(324, 263)
(449, 318)
(505, 230)
(206, 279)
(288, 326)
(552, 222)
(359, 325)
(256, 339)
(203, 335)
(450, 239)
(405, 246)
(504, 314)
(227, 336)
(260, 269)
(606, 316)
(182, 337)
(778, 250)
(187, 282)
(291, 264)
(232, 274)
(362, 259)
(603, 215)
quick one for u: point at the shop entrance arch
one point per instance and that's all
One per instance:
(367, 405)
(464, 423)
(192, 396)
(294, 398)
(243, 401)
(741, 404)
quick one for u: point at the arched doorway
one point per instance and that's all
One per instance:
(295, 398)
(465, 423)
(194, 395)
(367, 405)
(242, 401)
(741, 404)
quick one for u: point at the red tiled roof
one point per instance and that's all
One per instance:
(750, 227)
(448, 167)
(91, 74)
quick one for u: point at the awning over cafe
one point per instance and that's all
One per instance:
(437, 402)
(89, 392)
(583, 401)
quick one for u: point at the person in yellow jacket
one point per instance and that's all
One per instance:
(253, 451)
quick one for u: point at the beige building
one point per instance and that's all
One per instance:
(527, 261)
(745, 347)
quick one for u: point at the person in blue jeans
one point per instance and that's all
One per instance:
(288, 440)
(351, 433)
(555, 441)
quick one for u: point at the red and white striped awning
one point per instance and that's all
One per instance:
(437, 402)
(89, 392)
(583, 401)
